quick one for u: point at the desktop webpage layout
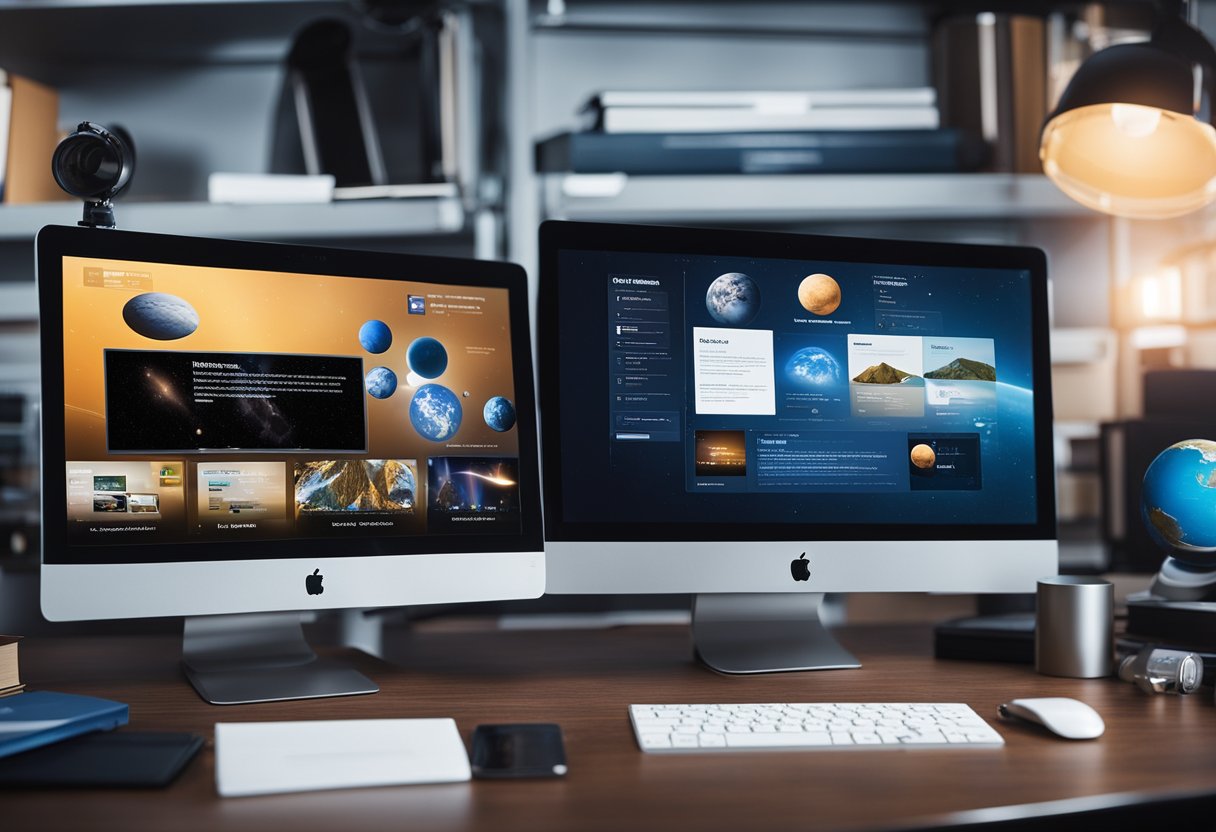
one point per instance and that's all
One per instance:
(820, 392)
(206, 404)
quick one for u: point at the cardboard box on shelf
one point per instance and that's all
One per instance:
(29, 136)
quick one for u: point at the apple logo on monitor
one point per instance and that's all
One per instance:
(800, 568)
(312, 583)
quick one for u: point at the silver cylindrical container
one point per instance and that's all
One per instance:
(1074, 632)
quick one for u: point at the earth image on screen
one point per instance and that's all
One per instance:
(813, 367)
(733, 299)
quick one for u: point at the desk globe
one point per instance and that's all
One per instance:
(1178, 505)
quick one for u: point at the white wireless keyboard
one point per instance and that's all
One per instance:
(807, 725)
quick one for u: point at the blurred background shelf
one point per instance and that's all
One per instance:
(200, 85)
(806, 198)
(54, 40)
(423, 217)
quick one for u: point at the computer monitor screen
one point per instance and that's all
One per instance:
(251, 413)
(882, 405)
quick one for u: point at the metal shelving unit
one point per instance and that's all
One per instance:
(890, 46)
(422, 217)
(167, 70)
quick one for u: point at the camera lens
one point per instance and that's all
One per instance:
(92, 163)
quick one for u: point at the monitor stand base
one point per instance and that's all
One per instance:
(765, 633)
(241, 659)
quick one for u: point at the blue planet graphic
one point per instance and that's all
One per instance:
(160, 316)
(427, 357)
(813, 367)
(435, 412)
(733, 299)
(375, 336)
(381, 382)
(499, 414)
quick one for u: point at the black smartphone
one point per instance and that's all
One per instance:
(529, 749)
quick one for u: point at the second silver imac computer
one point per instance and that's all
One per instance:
(761, 418)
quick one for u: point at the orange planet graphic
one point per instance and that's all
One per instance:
(923, 456)
(819, 294)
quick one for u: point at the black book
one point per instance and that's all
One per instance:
(834, 151)
(1189, 624)
(990, 638)
(117, 759)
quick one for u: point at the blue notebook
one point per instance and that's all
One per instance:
(30, 720)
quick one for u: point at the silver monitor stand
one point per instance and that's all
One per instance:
(765, 633)
(240, 659)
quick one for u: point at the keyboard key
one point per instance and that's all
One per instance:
(713, 741)
(777, 740)
(685, 741)
(926, 739)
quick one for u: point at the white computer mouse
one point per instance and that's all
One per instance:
(1065, 717)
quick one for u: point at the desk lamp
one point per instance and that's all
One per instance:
(1133, 133)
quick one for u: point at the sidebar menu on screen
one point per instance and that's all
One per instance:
(646, 387)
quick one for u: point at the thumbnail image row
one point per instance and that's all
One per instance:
(117, 491)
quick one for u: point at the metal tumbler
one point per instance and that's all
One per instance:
(1074, 632)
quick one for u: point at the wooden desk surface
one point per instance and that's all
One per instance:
(584, 681)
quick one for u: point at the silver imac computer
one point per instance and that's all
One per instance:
(761, 418)
(248, 428)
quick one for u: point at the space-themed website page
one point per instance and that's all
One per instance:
(781, 391)
(206, 404)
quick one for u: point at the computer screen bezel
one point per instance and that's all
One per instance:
(55, 242)
(559, 236)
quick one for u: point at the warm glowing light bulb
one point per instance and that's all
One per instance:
(1131, 160)
(1135, 121)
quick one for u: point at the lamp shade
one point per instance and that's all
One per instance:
(1124, 139)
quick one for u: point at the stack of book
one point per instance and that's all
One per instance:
(10, 678)
(829, 131)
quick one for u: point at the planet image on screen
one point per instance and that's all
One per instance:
(813, 367)
(733, 299)
(819, 294)
(380, 382)
(375, 336)
(427, 357)
(923, 456)
(499, 414)
(435, 412)
(160, 316)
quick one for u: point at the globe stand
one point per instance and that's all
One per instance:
(1178, 581)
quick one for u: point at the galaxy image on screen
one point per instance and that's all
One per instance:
(472, 492)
